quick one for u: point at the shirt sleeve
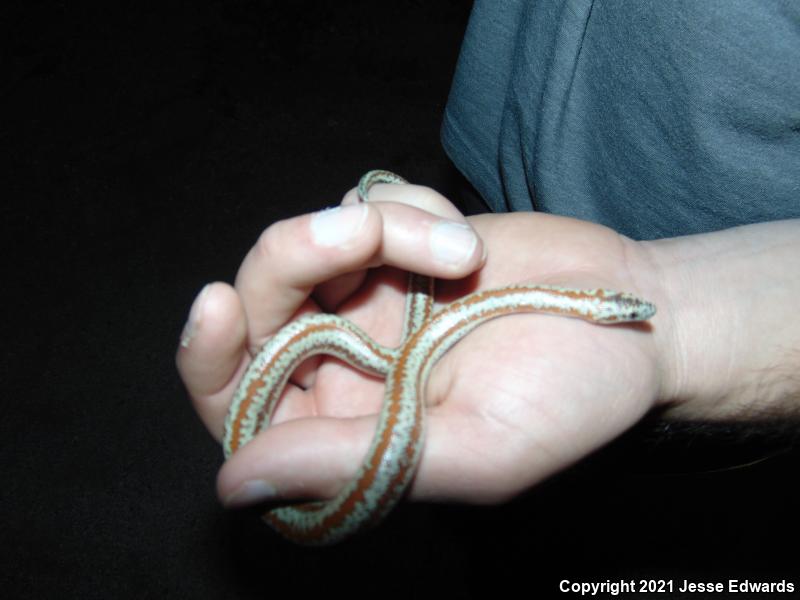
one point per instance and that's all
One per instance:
(656, 119)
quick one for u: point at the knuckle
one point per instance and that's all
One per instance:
(269, 245)
(428, 196)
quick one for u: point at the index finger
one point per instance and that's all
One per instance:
(292, 256)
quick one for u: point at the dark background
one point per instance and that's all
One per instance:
(143, 150)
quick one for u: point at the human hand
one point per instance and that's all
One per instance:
(519, 398)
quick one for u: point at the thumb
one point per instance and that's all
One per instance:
(314, 458)
(310, 458)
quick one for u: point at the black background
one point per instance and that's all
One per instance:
(143, 149)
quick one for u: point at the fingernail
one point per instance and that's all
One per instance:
(452, 243)
(338, 225)
(195, 314)
(251, 492)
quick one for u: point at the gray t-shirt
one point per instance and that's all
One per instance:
(657, 118)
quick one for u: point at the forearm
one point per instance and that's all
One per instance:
(729, 330)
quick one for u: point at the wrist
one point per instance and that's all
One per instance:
(727, 334)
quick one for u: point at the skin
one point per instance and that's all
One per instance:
(725, 344)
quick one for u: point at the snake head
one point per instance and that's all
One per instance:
(624, 308)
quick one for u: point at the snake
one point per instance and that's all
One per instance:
(394, 453)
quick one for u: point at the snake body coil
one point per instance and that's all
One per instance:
(396, 446)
